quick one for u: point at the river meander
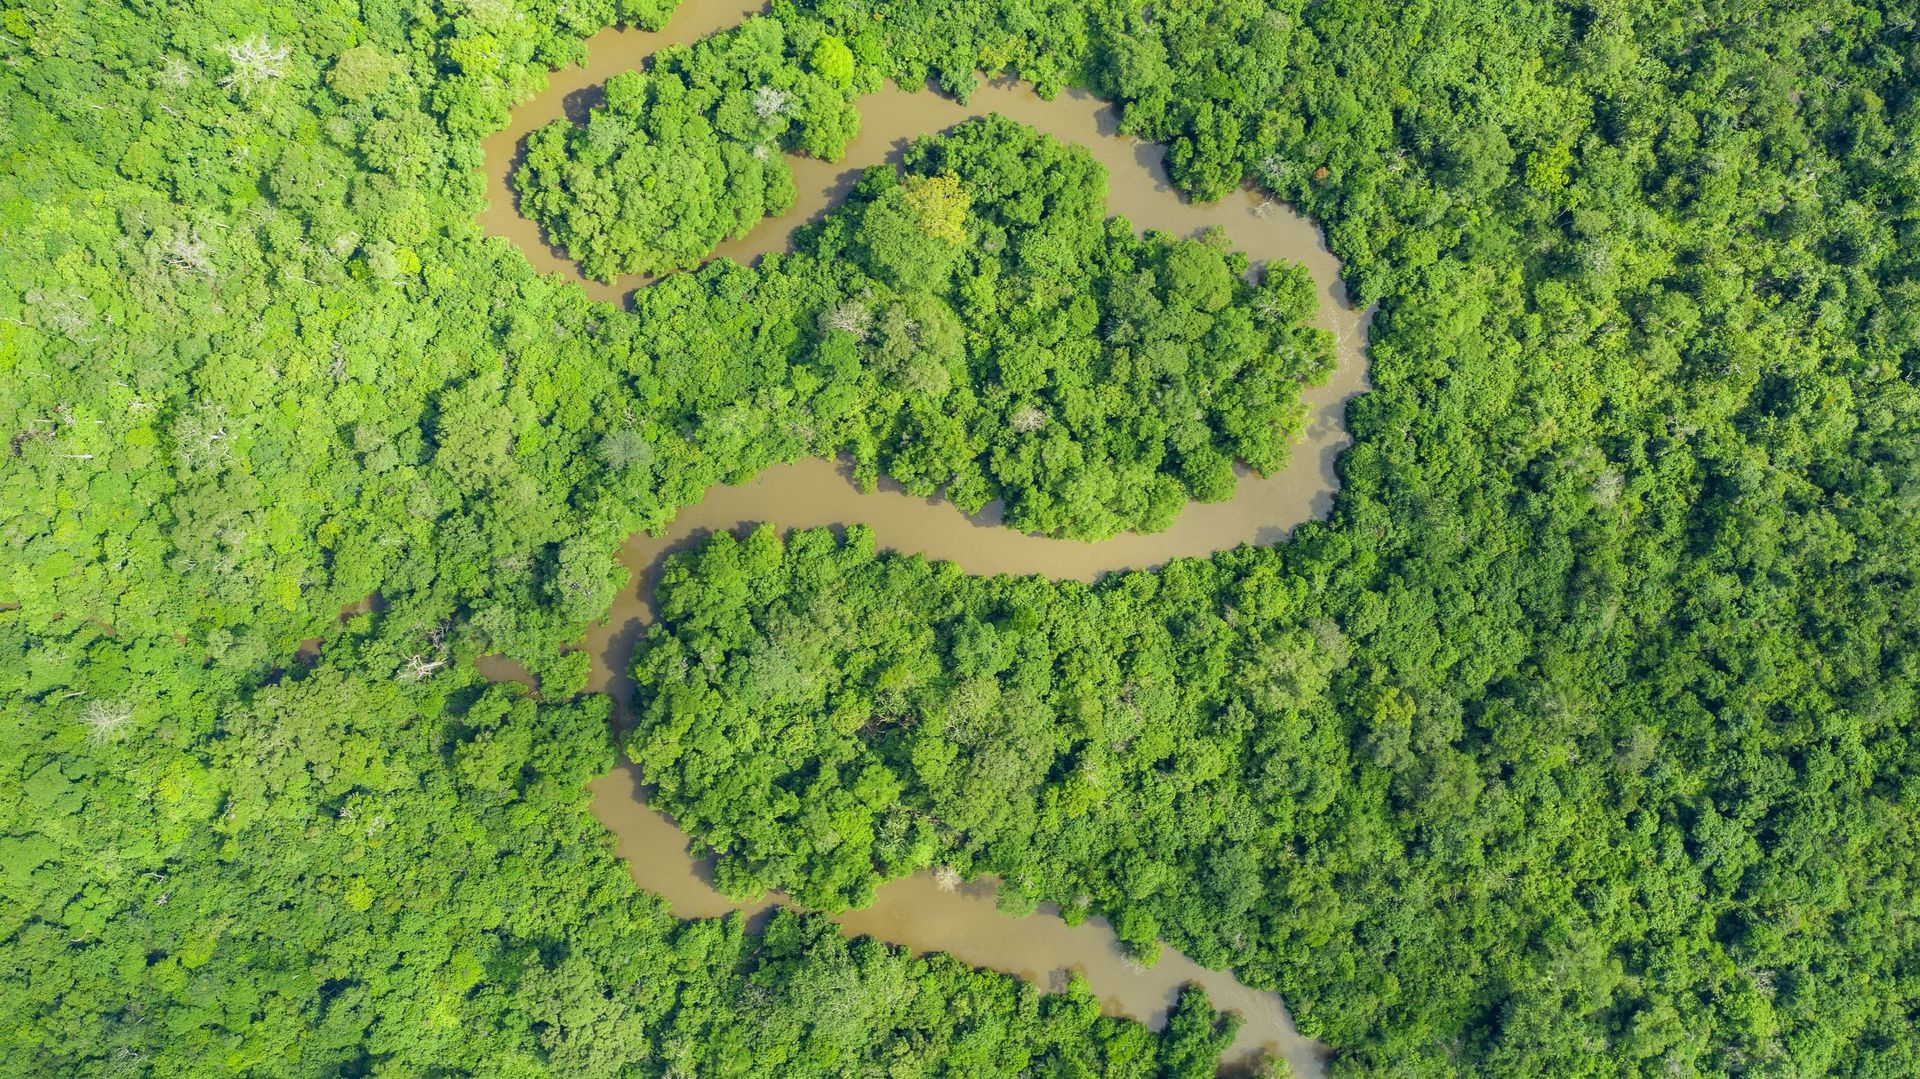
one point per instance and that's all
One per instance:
(914, 912)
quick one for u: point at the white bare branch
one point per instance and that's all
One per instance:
(419, 668)
(769, 102)
(187, 252)
(176, 71)
(105, 720)
(852, 317)
(256, 62)
(1029, 419)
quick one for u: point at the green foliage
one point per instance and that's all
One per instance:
(996, 338)
(270, 395)
(363, 72)
(688, 153)
(972, 325)
(911, 235)
(338, 873)
(833, 59)
(1577, 740)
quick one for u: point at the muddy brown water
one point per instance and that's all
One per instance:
(914, 912)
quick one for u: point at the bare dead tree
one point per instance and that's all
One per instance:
(849, 316)
(421, 665)
(176, 71)
(65, 311)
(1029, 419)
(1268, 305)
(200, 436)
(105, 720)
(769, 102)
(187, 252)
(256, 63)
(419, 668)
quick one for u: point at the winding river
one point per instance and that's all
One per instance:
(914, 912)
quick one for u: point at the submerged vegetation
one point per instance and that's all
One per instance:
(1578, 739)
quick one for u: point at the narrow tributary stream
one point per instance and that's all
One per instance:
(914, 912)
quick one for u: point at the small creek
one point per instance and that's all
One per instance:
(914, 912)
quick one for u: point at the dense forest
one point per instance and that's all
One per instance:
(691, 150)
(987, 335)
(1577, 739)
(361, 874)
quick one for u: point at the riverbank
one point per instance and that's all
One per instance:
(917, 912)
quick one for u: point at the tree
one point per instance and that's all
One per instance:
(832, 59)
